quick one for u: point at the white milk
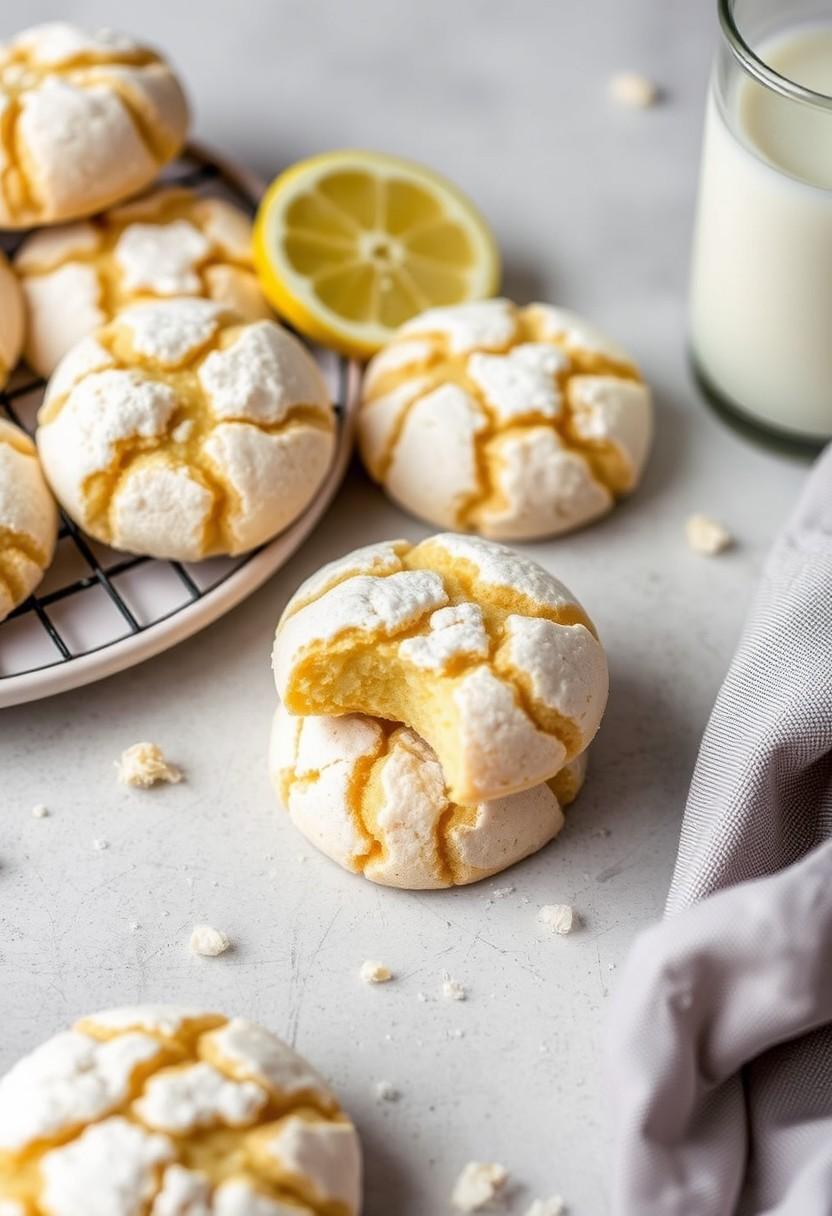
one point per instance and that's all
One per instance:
(761, 306)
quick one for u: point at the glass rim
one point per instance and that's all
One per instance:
(759, 69)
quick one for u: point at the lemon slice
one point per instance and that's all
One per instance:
(349, 245)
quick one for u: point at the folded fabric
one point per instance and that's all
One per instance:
(720, 1037)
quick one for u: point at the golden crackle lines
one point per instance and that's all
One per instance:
(221, 1153)
(154, 144)
(441, 366)
(17, 186)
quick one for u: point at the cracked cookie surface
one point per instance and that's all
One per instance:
(512, 422)
(162, 1111)
(28, 519)
(371, 796)
(480, 651)
(172, 242)
(86, 119)
(178, 432)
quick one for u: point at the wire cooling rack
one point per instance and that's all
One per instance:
(98, 611)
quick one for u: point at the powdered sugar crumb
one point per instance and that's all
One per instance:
(478, 1184)
(633, 90)
(386, 1091)
(208, 942)
(707, 536)
(554, 1206)
(144, 765)
(375, 973)
(559, 917)
(40, 811)
(452, 990)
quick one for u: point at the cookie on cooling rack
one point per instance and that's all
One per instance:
(177, 431)
(171, 242)
(28, 519)
(482, 652)
(371, 795)
(513, 422)
(91, 118)
(167, 1110)
(11, 320)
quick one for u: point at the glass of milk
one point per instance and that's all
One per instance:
(761, 293)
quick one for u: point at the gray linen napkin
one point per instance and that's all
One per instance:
(720, 1036)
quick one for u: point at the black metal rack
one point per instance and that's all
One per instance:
(195, 172)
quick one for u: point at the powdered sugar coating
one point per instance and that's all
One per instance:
(161, 258)
(165, 1020)
(326, 1152)
(522, 382)
(28, 518)
(185, 1099)
(75, 145)
(71, 1079)
(375, 802)
(262, 375)
(455, 632)
(111, 1168)
(170, 242)
(171, 333)
(183, 1193)
(178, 432)
(479, 325)
(363, 603)
(170, 1139)
(512, 422)
(254, 1054)
(480, 650)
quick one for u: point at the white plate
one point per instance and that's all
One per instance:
(97, 611)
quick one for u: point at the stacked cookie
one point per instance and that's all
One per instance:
(180, 421)
(437, 703)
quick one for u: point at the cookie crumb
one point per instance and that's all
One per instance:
(452, 990)
(144, 765)
(633, 90)
(208, 942)
(40, 811)
(100, 845)
(554, 1206)
(375, 973)
(478, 1184)
(502, 892)
(386, 1091)
(707, 536)
(559, 917)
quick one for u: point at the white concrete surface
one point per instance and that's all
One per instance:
(593, 208)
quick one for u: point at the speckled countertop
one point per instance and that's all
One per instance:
(593, 207)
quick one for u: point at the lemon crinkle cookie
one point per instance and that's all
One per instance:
(87, 120)
(512, 422)
(168, 1111)
(11, 320)
(371, 796)
(172, 242)
(179, 432)
(28, 519)
(480, 651)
